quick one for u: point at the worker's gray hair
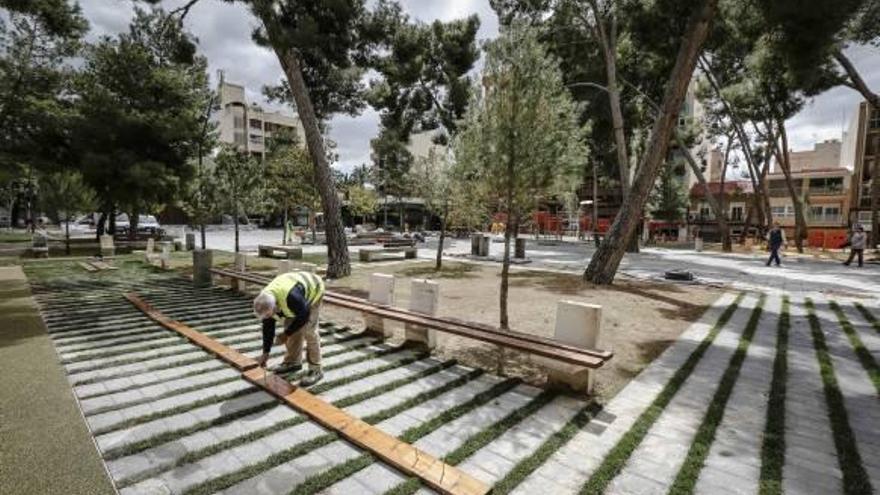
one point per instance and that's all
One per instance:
(264, 305)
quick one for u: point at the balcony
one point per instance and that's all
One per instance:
(830, 219)
(826, 191)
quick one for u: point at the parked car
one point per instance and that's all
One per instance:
(147, 224)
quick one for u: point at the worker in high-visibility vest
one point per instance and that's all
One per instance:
(293, 298)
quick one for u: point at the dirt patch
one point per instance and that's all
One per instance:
(639, 319)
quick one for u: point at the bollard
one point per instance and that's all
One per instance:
(577, 324)
(484, 246)
(165, 255)
(107, 246)
(190, 241)
(424, 298)
(381, 292)
(284, 266)
(475, 244)
(202, 262)
(240, 266)
(519, 251)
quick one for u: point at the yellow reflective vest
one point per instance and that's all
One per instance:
(280, 287)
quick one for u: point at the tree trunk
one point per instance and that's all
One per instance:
(133, 224)
(235, 223)
(725, 232)
(695, 168)
(857, 82)
(800, 223)
(100, 229)
(284, 229)
(439, 265)
(765, 192)
(202, 229)
(67, 237)
(606, 259)
(338, 263)
(111, 224)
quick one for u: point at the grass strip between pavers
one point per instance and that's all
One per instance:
(287, 455)
(773, 446)
(557, 440)
(341, 403)
(855, 478)
(480, 440)
(865, 357)
(621, 452)
(869, 316)
(320, 481)
(686, 479)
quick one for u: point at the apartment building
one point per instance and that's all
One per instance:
(247, 125)
(861, 153)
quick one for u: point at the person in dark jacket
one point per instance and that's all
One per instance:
(294, 299)
(775, 241)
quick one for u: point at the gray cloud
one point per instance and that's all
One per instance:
(224, 31)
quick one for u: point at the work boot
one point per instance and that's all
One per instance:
(285, 368)
(312, 377)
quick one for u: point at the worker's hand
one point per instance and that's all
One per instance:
(281, 339)
(262, 360)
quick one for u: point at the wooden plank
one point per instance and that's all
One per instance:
(223, 352)
(532, 344)
(400, 455)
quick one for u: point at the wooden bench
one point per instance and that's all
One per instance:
(532, 344)
(290, 252)
(368, 255)
(393, 243)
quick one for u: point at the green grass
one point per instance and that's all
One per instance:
(559, 438)
(320, 481)
(324, 386)
(481, 439)
(7, 236)
(687, 476)
(862, 353)
(869, 316)
(773, 446)
(855, 479)
(618, 456)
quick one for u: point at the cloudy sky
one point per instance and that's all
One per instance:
(224, 29)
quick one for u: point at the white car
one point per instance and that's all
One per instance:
(146, 224)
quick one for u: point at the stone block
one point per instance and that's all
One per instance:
(424, 298)
(240, 266)
(577, 324)
(190, 241)
(475, 244)
(698, 244)
(484, 246)
(107, 246)
(381, 292)
(202, 262)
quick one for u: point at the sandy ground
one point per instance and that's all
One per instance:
(639, 319)
(46, 447)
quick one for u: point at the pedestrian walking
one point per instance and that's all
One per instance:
(857, 241)
(293, 298)
(775, 241)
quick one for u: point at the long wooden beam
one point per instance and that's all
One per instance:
(400, 455)
(540, 346)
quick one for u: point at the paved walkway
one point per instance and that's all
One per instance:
(775, 389)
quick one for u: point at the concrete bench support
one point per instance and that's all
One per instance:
(107, 246)
(484, 246)
(241, 266)
(519, 251)
(424, 298)
(190, 241)
(475, 244)
(578, 324)
(165, 255)
(202, 261)
(381, 292)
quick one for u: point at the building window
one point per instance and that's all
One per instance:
(705, 212)
(875, 120)
(238, 122)
(826, 185)
(816, 211)
(256, 124)
(777, 211)
(736, 214)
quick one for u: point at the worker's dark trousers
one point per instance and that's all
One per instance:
(852, 254)
(774, 256)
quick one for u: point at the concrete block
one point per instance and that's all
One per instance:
(578, 324)
(381, 292)
(190, 241)
(202, 262)
(151, 245)
(519, 251)
(107, 246)
(475, 244)
(424, 298)
(698, 244)
(484, 246)
(240, 266)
